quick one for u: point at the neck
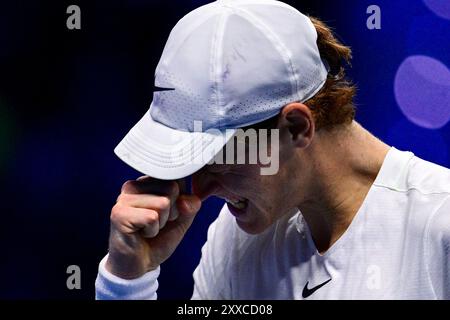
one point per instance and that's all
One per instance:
(344, 165)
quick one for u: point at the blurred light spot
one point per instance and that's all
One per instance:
(422, 91)
(426, 144)
(440, 7)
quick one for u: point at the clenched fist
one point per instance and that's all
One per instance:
(147, 223)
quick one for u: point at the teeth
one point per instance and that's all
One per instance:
(233, 201)
(239, 204)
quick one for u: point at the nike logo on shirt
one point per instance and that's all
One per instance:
(307, 292)
(155, 88)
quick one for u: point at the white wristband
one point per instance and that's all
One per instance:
(111, 287)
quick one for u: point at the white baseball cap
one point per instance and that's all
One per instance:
(226, 65)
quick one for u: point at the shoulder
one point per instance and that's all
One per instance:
(229, 253)
(413, 195)
(429, 192)
(431, 183)
(223, 229)
(211, 277)
(428, 177)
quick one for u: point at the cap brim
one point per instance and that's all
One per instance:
(166, 153)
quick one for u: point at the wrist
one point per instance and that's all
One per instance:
(127, 268)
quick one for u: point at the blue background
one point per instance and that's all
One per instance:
(68, 97)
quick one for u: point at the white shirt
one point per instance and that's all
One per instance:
(396, 247)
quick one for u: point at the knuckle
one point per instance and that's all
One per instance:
(116, 213)
(152, 217)
(127, 185)
(124, 197)
(163, 203)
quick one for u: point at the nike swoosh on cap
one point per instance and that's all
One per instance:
(156, 88)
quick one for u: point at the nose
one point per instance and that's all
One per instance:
(204, 183)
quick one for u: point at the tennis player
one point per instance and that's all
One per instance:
(341, 215)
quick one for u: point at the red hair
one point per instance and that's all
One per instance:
(333, 104)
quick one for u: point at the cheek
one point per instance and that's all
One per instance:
(243, 176)
(276, 193)
(265, 194)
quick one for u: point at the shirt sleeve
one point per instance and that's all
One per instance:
(438, 240)
(111, 287)
(212, 275)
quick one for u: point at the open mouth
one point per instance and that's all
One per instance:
(238, 204)
(237, 207)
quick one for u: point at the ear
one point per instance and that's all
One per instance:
(297, 124)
